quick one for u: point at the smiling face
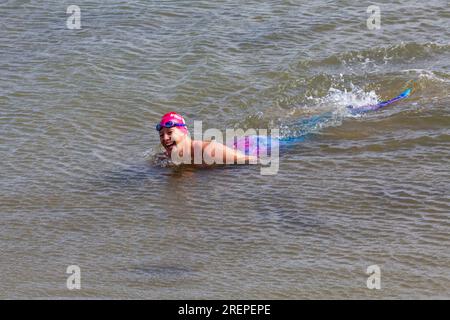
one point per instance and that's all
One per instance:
(170, 137)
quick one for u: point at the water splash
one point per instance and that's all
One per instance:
(330, 110)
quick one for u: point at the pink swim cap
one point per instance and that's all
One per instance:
(175, 118)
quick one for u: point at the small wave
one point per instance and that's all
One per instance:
(402, 52)
(428, 75)
(427, 84)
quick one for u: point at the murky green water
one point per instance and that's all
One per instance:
(77, 116)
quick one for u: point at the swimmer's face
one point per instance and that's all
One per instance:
(170, 137)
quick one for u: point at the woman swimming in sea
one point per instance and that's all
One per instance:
(178, 145)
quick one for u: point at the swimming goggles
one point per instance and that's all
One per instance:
(169, 124)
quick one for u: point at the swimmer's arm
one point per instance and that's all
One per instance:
(230, 156)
